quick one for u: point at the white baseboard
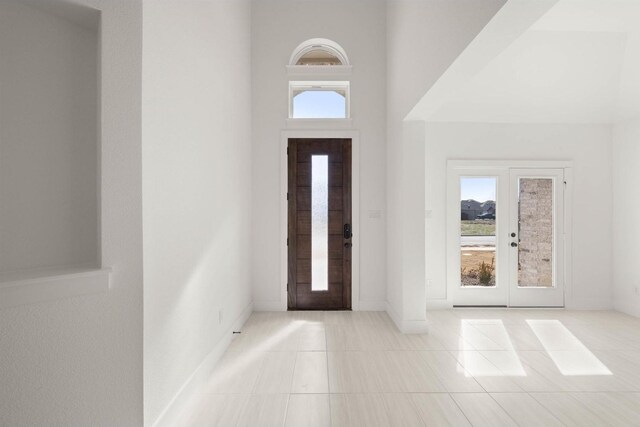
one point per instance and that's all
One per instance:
(589, 304)
(372, 306)
(439, 304)
(190, 388)
(268, 306)
(632, 308)
(407, 326)
(278, 306)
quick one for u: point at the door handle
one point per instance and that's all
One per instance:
(514, 245)
(347, 231)
(348, 245)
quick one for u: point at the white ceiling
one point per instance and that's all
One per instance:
(578, 63)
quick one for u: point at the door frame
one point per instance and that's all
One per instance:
(502, 166)
(354, 136)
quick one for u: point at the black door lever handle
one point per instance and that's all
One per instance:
(347, 231)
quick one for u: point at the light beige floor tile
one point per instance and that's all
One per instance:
(401, 410)
(353, 372)
(308, 410)
(489, 376)
(276, 373)
(310, 374)
(359, 410)
(543, 365)
(465, 353)
(415, 342)
(439, 410)
(236, 372)
(477, 339)
(568, 410)
(408, 372)
(218, 410)
(524, 376)
(618, 409)
(482, 411)
(525, 410)
(450, 337)
(312, 338)
(264, 410)
(450, 373)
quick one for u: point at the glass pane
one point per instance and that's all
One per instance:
(535, 219)
(478, 231)
(319, 57)
(319, 223)
(319, 104)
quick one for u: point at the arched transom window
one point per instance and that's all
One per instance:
(319, 95)
(319, 52)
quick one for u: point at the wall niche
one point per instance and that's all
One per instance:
(49, 139)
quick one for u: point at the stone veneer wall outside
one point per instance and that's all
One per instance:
(535, 263)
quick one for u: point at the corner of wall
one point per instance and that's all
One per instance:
(188, 393)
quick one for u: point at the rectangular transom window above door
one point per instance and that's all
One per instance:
(319, 100)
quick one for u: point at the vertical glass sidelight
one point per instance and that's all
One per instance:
(478, 231)
(535, 231)
(319, 223)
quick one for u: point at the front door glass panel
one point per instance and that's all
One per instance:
(319, 223)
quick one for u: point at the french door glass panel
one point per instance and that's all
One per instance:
(478, 231)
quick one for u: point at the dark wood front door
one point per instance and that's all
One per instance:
(319, 232)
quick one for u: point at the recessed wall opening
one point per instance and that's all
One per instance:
(49, 144)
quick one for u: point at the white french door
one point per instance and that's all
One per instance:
(536, 248)
(505, 233)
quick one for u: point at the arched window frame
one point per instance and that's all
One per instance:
(316, 72)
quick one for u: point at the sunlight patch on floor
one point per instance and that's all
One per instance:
(569, 354)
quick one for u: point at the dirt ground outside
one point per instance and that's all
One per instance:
(470, 261)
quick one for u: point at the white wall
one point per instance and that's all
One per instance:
(196, 185)
(626, 209)
(423, 39)
(78, 362)
(48, 140)
(278, 28)
(588, 146)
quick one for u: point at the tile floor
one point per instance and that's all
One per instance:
(476, 368)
